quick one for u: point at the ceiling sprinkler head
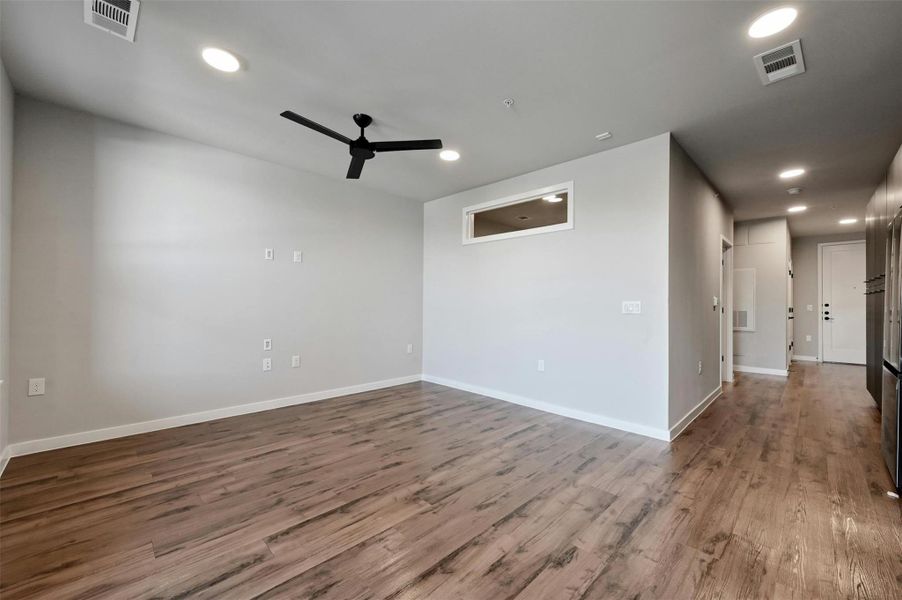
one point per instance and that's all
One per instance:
(508, 102)
(794, 191)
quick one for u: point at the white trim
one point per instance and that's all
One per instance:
(695, 412)
(803, 358)
(820, 291)
(97, 435)
(469, 211)
(4, 459)
(652, 432)
(761, 370)
(726, 303)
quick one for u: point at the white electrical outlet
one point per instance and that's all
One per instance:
(699, 367)
(807, 338)
(267, 344)
(298, 256)
(632, 307)
(36, 386)
(268, 254)
(541, 366)
(409, 348)
(295, 361)
(267, 364)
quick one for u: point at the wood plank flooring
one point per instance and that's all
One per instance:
(421, 491)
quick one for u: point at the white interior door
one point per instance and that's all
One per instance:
(843, 311)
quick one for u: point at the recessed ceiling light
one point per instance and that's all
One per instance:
(552, 198)
(790, 173)
(773, 22)
(449, 155)
(847, 221)
(603, 136)
(220, 59)
(796, 209)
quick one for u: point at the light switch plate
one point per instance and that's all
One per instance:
(632, 307)
(409, 348)
(810, 307)
(268, 254)
(36, 386)
(267, 344)
(298, 256)
(295, 361)
(807, 338)
(541, 366)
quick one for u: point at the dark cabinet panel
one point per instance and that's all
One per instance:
(878, 213)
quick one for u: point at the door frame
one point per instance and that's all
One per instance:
(820, 291)
(726, 305)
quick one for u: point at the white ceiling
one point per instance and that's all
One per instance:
(434, 69)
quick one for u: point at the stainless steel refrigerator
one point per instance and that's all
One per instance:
(892, 350)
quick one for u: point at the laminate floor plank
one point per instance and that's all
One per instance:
(778, 490)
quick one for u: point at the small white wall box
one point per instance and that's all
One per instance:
(632, 307)
(36, 386)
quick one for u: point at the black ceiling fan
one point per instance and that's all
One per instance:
(362, 149)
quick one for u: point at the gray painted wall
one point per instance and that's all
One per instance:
(6, 195)
(764, 246)
(140, 290)
(698, 219)
(804, 264)
(492, 310)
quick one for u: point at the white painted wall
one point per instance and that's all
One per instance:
(698, 219)
(764, 245)
(492, 310)
(139, 286)
(804, 262)
(6, 192)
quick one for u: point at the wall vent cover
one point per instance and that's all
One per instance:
(780, 63)
(119, 17)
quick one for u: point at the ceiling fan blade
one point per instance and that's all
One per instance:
(292, 116)
(356, 167)
(407, 145)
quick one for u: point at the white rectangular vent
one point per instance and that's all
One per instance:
(119, 17)
(744, 299)
(780, 63)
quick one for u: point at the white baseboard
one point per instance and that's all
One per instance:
(652, 432)
(802, 357)
(695, 412)
(761, 370)
(97, 435)
(4, 460)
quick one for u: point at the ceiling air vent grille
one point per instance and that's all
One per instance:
(119, 17)
(780, 63)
